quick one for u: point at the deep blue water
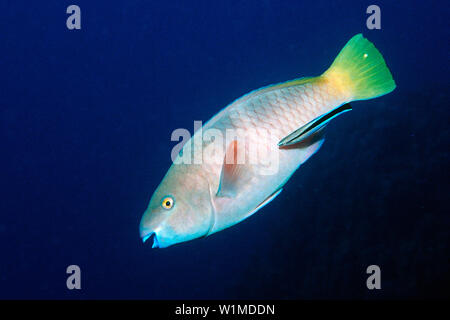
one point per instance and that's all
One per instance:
(86, 117)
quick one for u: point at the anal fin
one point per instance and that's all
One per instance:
(265, 202)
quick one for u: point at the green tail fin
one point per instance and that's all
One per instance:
(359, 71)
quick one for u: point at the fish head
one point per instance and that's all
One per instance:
(180, 209)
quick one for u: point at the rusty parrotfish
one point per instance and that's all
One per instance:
(284, 122)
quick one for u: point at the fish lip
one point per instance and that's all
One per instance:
(153, 236)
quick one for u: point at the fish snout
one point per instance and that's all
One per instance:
(148, 231)
(152, 237)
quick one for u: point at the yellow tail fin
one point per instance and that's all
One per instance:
(359, 71)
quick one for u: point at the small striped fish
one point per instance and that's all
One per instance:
(248, 151)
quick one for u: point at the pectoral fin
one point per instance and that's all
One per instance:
(313, 126)
(234, 171)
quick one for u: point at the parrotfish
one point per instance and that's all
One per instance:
(282, 123)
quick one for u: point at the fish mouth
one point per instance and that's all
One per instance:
(153, 238)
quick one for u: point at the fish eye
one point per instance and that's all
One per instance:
(167, 202)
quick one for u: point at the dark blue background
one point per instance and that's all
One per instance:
(86, 118)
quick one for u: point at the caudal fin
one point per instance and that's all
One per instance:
(359, 71)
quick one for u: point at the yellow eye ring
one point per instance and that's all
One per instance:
(167, 203)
